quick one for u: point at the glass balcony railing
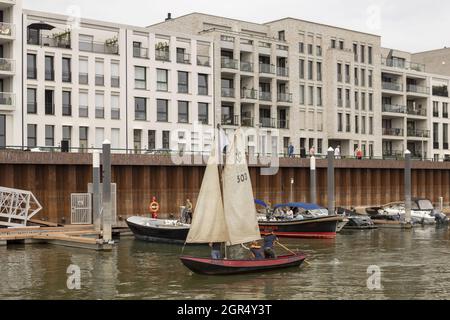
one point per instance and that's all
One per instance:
(227, 92)
(139, 52)
(99, 47)
(228, 63)
(284, 97)
(7, 99)
(162, 55)
(416, 112)
(249, 94)
(268, 122)
(6, 29)
(394, 108)
(203, 61)
(402, 64)
(246, 66)
(397, 132)
(184, 58)
(417, 89)
(418, 133)
(283, 124)
(230, 120)
(265, 96)
(7, 65)
(266, 68)
(282, 72)
(392, 86)
(247, 121)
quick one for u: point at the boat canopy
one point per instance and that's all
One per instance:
(305, 206)
(261, 203)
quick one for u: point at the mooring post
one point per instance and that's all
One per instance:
(96, 190)
(408, 187)
(292, 191)
(312, 180)
(106, 216)
(330, 175)
(441, 204)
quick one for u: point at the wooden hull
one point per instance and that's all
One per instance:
(157, 234)
(231, 267)
(317, 228)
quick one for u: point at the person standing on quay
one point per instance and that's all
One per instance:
(312, 152)
(337, 152)
(291, 150)
(188, 211)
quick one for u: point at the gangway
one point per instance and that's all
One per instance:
(17, 207)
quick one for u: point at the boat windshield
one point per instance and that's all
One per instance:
(425, 205)
(319, 212)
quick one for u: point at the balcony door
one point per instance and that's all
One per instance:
(2, 131)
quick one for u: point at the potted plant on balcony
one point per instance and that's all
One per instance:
(112, 42)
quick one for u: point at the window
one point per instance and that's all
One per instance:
(31, 135)
(99, 106)
(435, 109)
(49, 68)
(137, 139)
(339, 72)
(115, 138)
(83, 77)
(203, 116)
(355, 52)
(302, 94)
(49, 102)
(339, 122)
(319, 51)
(66, 70)
(445, 135)
(319, 71)
(356, 77)
(67, 134)
(445, 110)
(333, 43)
(370, 78)
(301, 47)
(341, 45)
(371, 125)
(347, 120)
(363, 101)
(138, 51)
(183, 82)
(310, 70)
(162, 110)
(99, 137)
(339, 97)
(183, 112)
(66, 103)
(140, 77)
(302, 69)
(140, 108)
(202, 84)
(99, 73)
(161, 79)
(310, 95)
(370, 101)
(151, 139)
(370, 54)
(166, 140)
(310, 49)
(31, 66)
(2, 131)
(435, 135)
(363, 77)
(319, 146)
(363, 125)
(31, 101)
(319, 96)
(115, 75)
(356, 124)
(281, 35)
(83, 108)
(363, 54)
(83, 134)
(49, 136)
(356, 100)
(115, 108)
(347, 73)
(347, 98)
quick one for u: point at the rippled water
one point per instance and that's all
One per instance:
(414, 264)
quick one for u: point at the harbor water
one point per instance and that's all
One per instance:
(412, 264)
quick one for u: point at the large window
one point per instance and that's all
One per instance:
(66, 70)
(67, 105)
(83, 134)
(83, 108)
(161, 80)
(202, 84)
(49, 68)
(203, 116)
(31, 66)
(115, 108)
(162, 110)
(183, 112)
(99, 73)
(49, 102)
(49, 136)
(31, 101)
(83, 77)
(302, 69)
(2, 131)
(166, 139)
(151, 139)
(99, 106)
(140, 108)
(183, 82)
(67, 134)
(140, 77)
(115, 75)
(31, 135)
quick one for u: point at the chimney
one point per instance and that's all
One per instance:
(169, 16)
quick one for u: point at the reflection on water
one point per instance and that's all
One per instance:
(414, 264)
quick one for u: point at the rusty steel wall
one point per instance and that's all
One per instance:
(52, 178)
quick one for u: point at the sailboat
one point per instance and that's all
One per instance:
(231, 218)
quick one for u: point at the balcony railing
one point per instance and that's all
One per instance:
(394, 108)
(6, 29)
(392, 86)
(51, 41)
(162, 55)
(7, 65)
(99, 47)
(282, 72)
(184, 58)
(7, 99)
(83, 78)
(268, 122)
(417, 112)
(249, 94)
(400, 64)
(83, 111)
(397, 132)
(283, 124)
(246, 66)
(230, 120)
(228, 63)
(418, 89)
(265, 96)
(50, 75)
(247, 121)
(228, 92)
(418, 133)
(284, 97)
(115, 82)
(266, 68)
(203, 61)
(31, 73)
(139, 52)
(67, 76)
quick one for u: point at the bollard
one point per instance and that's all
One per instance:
(292, 191)
(96, 190)
(408, 187)
(312, 180)
(441, 204)
(330, 176)
(107, 212)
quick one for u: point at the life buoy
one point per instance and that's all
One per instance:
(154, 207)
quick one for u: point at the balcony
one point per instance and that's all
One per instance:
(162, 55)
(228, 63)
(396, 132)
(266, 68)
(7, 65)
(282, 72)
(83, 111)
(184, 58)
(249, 94)
(401, 64)
(265, 96)
(394, 108)
(7, 101)
(418, 89)
(7, 30)
(83, 78)
(247, 121)
(417, 112)
(228, 120)
(392, 86)
(141, 53)
(268, 122)
(227, 92)
(418, 133)
(283, 124)
(246, 66)
(203, 61)
(284, 97)
(59, 41)
(115, 82)
(99, 47)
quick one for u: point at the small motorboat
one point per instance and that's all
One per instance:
(230, 267)
(158, 230)
(356, 221)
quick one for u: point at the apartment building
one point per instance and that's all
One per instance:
(317, 85)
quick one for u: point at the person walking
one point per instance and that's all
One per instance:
(291, 150)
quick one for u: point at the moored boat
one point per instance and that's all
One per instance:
(158, 230)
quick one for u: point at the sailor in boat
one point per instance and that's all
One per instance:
(256, 250)
(216, 253)
(188, 212)
(269, 241)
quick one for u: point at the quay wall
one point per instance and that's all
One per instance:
(52, 177)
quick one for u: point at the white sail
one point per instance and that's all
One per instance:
(208, 220)
(239, 205)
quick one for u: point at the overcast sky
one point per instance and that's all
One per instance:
(410, 25)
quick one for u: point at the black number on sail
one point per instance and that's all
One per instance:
(242, 178)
